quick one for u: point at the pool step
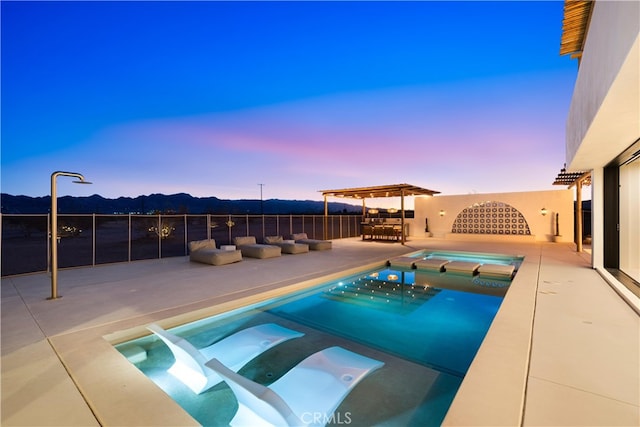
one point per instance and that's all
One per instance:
(496, 270)
(463, 267)
(443, 265)
(438, 264)
(134, 353)
(402, 261)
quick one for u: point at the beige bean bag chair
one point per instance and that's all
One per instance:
(314, 245)
(251, 249)
(287, 247)
(205, 251)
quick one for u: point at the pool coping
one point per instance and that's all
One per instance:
(494, 389)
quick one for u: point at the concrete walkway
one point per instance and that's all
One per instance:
(578, 342)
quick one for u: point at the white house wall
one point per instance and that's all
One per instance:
(528, 203)
(604, 116)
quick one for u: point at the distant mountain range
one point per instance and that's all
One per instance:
(174, 203)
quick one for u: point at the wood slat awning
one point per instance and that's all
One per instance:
(571, 178)
(395, 190)
(577, 179)
(575, 22)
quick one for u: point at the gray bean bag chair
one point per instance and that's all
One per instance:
(205, 251)
(287, 247)
(251, 249)
(314, 245)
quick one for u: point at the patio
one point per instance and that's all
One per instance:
(578, 365)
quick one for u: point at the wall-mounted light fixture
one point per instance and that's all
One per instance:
(392, 210)
(441, 213)
(543, 211)
(373, 211)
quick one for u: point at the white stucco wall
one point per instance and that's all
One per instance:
(528, 203)
(604, 116)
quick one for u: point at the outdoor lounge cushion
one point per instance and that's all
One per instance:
(314, 245)
(307, 395)
(251, 249)
(205, 251)
(236, 350)
(287, 247)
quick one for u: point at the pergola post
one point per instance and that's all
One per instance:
(326, 219)
(579, 215)
(404, 239)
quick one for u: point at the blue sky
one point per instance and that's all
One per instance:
(213, 98)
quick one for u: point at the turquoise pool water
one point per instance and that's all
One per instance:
(425, 325)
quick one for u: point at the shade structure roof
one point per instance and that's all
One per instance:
(570, 178)
(393, 190)
(574, 26)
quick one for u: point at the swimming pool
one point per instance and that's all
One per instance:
(425, 325)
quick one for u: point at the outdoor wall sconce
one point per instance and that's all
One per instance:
(543, 211)
(441, 213)
(392, 277)
(392, 210)
(373, 211)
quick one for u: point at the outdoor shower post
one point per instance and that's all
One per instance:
(54, 228)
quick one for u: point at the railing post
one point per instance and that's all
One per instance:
(93, 248)
(159, 236)
(49, 243)
(129, 245)
(186, 231)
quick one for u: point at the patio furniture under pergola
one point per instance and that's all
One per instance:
(379, 191)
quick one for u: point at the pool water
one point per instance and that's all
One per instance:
(433, 326)
(425, 325)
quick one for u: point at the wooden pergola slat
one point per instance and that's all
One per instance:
(575, 22)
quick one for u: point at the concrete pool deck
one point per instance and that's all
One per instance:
(563, 350)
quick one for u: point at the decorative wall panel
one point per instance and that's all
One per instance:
(491, 218)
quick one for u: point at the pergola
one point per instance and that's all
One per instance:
(577, 178)
(394, 190)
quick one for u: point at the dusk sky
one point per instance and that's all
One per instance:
(214, 98)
